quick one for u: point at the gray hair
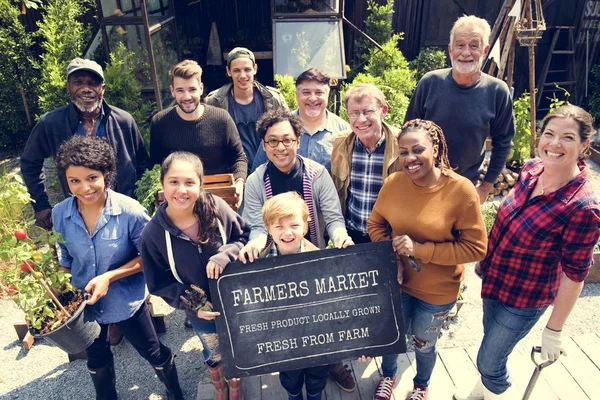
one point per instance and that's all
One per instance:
(472, 22)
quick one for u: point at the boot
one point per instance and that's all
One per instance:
(470, 392)
(298, 396)
(235, 389)
(509, 394)
(221, 388)
(104, 382)
(167, 373)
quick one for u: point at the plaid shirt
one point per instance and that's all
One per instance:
(366, 179)
(533, 241)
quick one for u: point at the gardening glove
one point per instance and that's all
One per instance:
(551, 345)
(43, 219)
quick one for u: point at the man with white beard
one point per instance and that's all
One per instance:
(468, 104)
(87, 114)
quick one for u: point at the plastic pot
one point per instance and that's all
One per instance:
(75, 335)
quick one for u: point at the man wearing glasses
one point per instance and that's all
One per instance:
(363, 157)
(286, 171)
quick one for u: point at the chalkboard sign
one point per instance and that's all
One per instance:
(307, 309)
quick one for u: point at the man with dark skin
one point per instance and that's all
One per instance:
(86, 114)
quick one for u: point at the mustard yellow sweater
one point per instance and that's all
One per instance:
(443, 220)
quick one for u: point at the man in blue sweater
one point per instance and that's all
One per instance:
(468, 105)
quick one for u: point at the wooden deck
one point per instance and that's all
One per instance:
(574, 377)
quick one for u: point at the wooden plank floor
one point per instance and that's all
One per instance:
(574, 377)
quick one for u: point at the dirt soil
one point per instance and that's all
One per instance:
(72, 305)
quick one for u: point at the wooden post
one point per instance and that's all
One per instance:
(531, 50)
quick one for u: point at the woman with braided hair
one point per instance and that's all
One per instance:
(436, 227)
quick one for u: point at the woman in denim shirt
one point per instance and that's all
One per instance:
(101, 231)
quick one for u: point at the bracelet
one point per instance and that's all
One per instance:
(553, 330)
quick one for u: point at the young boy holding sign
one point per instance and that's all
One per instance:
(286, 218)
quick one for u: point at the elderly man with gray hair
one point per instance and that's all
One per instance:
(363, 156)
(468, 105)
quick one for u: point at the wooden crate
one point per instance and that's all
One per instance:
(221, 185)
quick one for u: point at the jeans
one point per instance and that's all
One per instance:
(423, 322)
(503, 328)
(140, 332)
(207, 332)
(315, 379)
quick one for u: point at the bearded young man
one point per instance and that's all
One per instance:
(207, 131)
(87, 114)
(468, 105)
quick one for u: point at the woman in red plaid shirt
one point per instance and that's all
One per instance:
(540, 248)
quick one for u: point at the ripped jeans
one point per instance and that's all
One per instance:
(422, 322)
(207, 332)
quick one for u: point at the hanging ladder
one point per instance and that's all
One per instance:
(559, 67)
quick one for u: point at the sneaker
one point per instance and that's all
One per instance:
(385, 388)
(343, 377)
(418, 393)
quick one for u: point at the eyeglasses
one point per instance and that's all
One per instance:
(356, 114)
(287, 142)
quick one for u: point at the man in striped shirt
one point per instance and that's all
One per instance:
(363, 157)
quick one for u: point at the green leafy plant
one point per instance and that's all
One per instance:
(429, 59)
(35, 283)
(14, 203)
(62, 38)
(147, 187)
(489, 211)
(123, 89)
(522, 111)
(287, 87)
(18, 78)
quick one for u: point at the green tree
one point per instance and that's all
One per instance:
(429, 59)
(378, 26)
(287, 87)
(18, 77)
(124, 91)
(62, 36)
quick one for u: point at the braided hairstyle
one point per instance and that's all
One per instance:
(435, 134)
(205, 207)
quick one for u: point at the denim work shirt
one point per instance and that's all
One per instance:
(114, 242)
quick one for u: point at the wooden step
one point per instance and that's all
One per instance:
(564, 83)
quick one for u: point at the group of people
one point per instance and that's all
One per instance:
(315, 178)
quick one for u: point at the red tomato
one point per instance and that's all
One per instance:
(21, 234)
(24, 265)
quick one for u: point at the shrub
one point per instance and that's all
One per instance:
(429, 59)
(146, 188)
(123, 89)
(18, 78)
(63, 37)
(521, 140)
(287, 87)
(14, 203)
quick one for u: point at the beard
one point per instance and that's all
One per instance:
(188, 108)
(87, 108)
(468, 68)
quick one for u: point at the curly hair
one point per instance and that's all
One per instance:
(435, 134)
(205, 207)
(275, 116)
(89, 152)
(579, 115)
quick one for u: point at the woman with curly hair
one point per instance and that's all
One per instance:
(101, 231)
(436, 227)
(540, 249)
(191, 239)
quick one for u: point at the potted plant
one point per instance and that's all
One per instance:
(34, 281)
